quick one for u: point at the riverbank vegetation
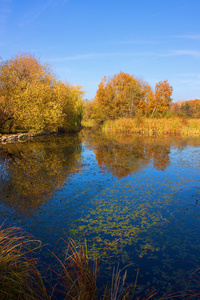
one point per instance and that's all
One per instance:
(33, 100)
(124, 103)
(76, 278)
(151, 126)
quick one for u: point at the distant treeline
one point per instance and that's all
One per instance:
(32, 99)
(123, 96)
(190, 109)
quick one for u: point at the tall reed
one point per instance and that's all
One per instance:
(78, 275)
(151, 126)
(19, 276)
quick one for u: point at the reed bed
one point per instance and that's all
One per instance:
(151, 126)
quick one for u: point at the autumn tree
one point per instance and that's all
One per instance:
(89, 109)
(190, 109)
(162, 98)
(70, 99)
(102, 102)
(31, 98)
(117, 97)
(146, 103)
(27, 96)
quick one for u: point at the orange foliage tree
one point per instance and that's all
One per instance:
(146, 102)
(125, 96)
(162, 98)
(117, 97)
(190, 108)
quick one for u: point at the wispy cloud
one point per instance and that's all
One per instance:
(192, 79)
(5, 10)
(133, 42)
(100, 55)
(30, 18)
(191, 82)
(89, 56)
(188, 75)
(192, 53)
(63, 69)
(188, 36)
(187, 52)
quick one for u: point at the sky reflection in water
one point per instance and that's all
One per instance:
(143, 192)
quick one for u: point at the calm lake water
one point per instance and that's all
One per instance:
(143, 193)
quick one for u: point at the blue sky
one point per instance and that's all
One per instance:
(83, 40)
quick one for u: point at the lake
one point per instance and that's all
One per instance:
(135, 199)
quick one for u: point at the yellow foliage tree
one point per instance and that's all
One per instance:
(147, 99)
(162, 97)
(32, 99)
(27, 94)
(70, 98)
(117, 97)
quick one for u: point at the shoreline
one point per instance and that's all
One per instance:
(22, 137)
(10, 138)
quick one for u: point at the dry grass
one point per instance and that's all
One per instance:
(19, 276)
(78, 275)
(151, 126)
(77, 280)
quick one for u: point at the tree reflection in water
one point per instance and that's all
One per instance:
(141, 192)
(124, 155)
(32, 171)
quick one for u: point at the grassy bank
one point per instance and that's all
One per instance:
(150, 126)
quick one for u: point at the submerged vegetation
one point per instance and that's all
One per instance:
(75, 277)
(111, 219)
